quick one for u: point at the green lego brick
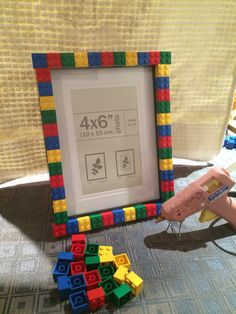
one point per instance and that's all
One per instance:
(165, 57)
(48, 116)
(140, 211)
(166, 195)
(108, 286)
(91, 249)
(60, 218)
(162, 107)
(67, 60)
(96, 221)
(121, 295)
(92, 262)
(165, 153)
(55, 168)
(106, 271)
(119, 58)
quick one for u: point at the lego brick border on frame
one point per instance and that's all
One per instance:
(43, 63)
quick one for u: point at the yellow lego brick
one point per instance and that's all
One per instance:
(130, 213)
(54, 155)
(131, 58)
(163, 118)
(105, 250)
(81, 59)
(166, 164)
(135, 282)
(59, 206)
(119, 275)
(46, 102)
(162, 70)
(122, 260)
(106, 259)
(84, 223)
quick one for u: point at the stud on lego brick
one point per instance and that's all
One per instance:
(165, 153)
(122, 260)
(45, 88)
(154, 57)
(52, 142)
(131, 58)
(77, 267)
(81, 59)
(107, 219)
(163, 118)
(92, 262)
(59, 206)
(57, 193)
(56, 181)
(107, 58)
(77, 282)
(84, 223)
(166, 164)
(92, 279)
(65, 257)
(96, 298)
(134, 282)
(39, 60)
(106, 271)
(72, 226)
(130, 213)
(61, 218)
(119, 216)
(119, 58)
(119, 275)
(67, 60)
(150, 210)
(58, 230)
(143, 58)
(78, 251)
(167, 186)
(121, 295)
(78, 239)
(96, 221)
(162, 106)
(54, 155)
(94, 58)
(60, 269)
(140, 211)
(47, 103)
(105, 250)
(54, 60)
(108, 286)
(79, 302)
(91, 249)
(43, 75)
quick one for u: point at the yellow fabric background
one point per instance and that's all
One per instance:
(200, 34)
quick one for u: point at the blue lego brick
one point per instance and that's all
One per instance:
(79, 302)
(45, 89)
(72, 226)
(60, 269)
(64, 287)
(58, 193)
(162, 82)
(158, 206)
(94, 58)
(119, 216)
(77, 283)
(52, 142)
(164, 130)
(166, 175)
(143, 58)
(66, 257)
(39, 60)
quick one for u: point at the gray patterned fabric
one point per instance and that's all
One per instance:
(187, 276)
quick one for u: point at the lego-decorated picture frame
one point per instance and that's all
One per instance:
(99, 133)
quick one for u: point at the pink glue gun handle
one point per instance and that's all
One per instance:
(202, 194)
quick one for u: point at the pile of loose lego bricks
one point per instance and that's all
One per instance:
(90, 275)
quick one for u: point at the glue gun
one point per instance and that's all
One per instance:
(208, 192)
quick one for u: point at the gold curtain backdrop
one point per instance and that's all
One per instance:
(200, 34)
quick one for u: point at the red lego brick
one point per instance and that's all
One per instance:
(167, 186)
(154, 57)
(107, 218)
(162, 95)
(50, 129)
(78, 238)
(77, 267)
(54, 60)
(150, 210)
(78, 251)
(96, 298)
(107, 58)
(56, 181)
(164, 141)
(43, 75)
(59, 230)
(92, 279)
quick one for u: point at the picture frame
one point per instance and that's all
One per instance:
(159, 62)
